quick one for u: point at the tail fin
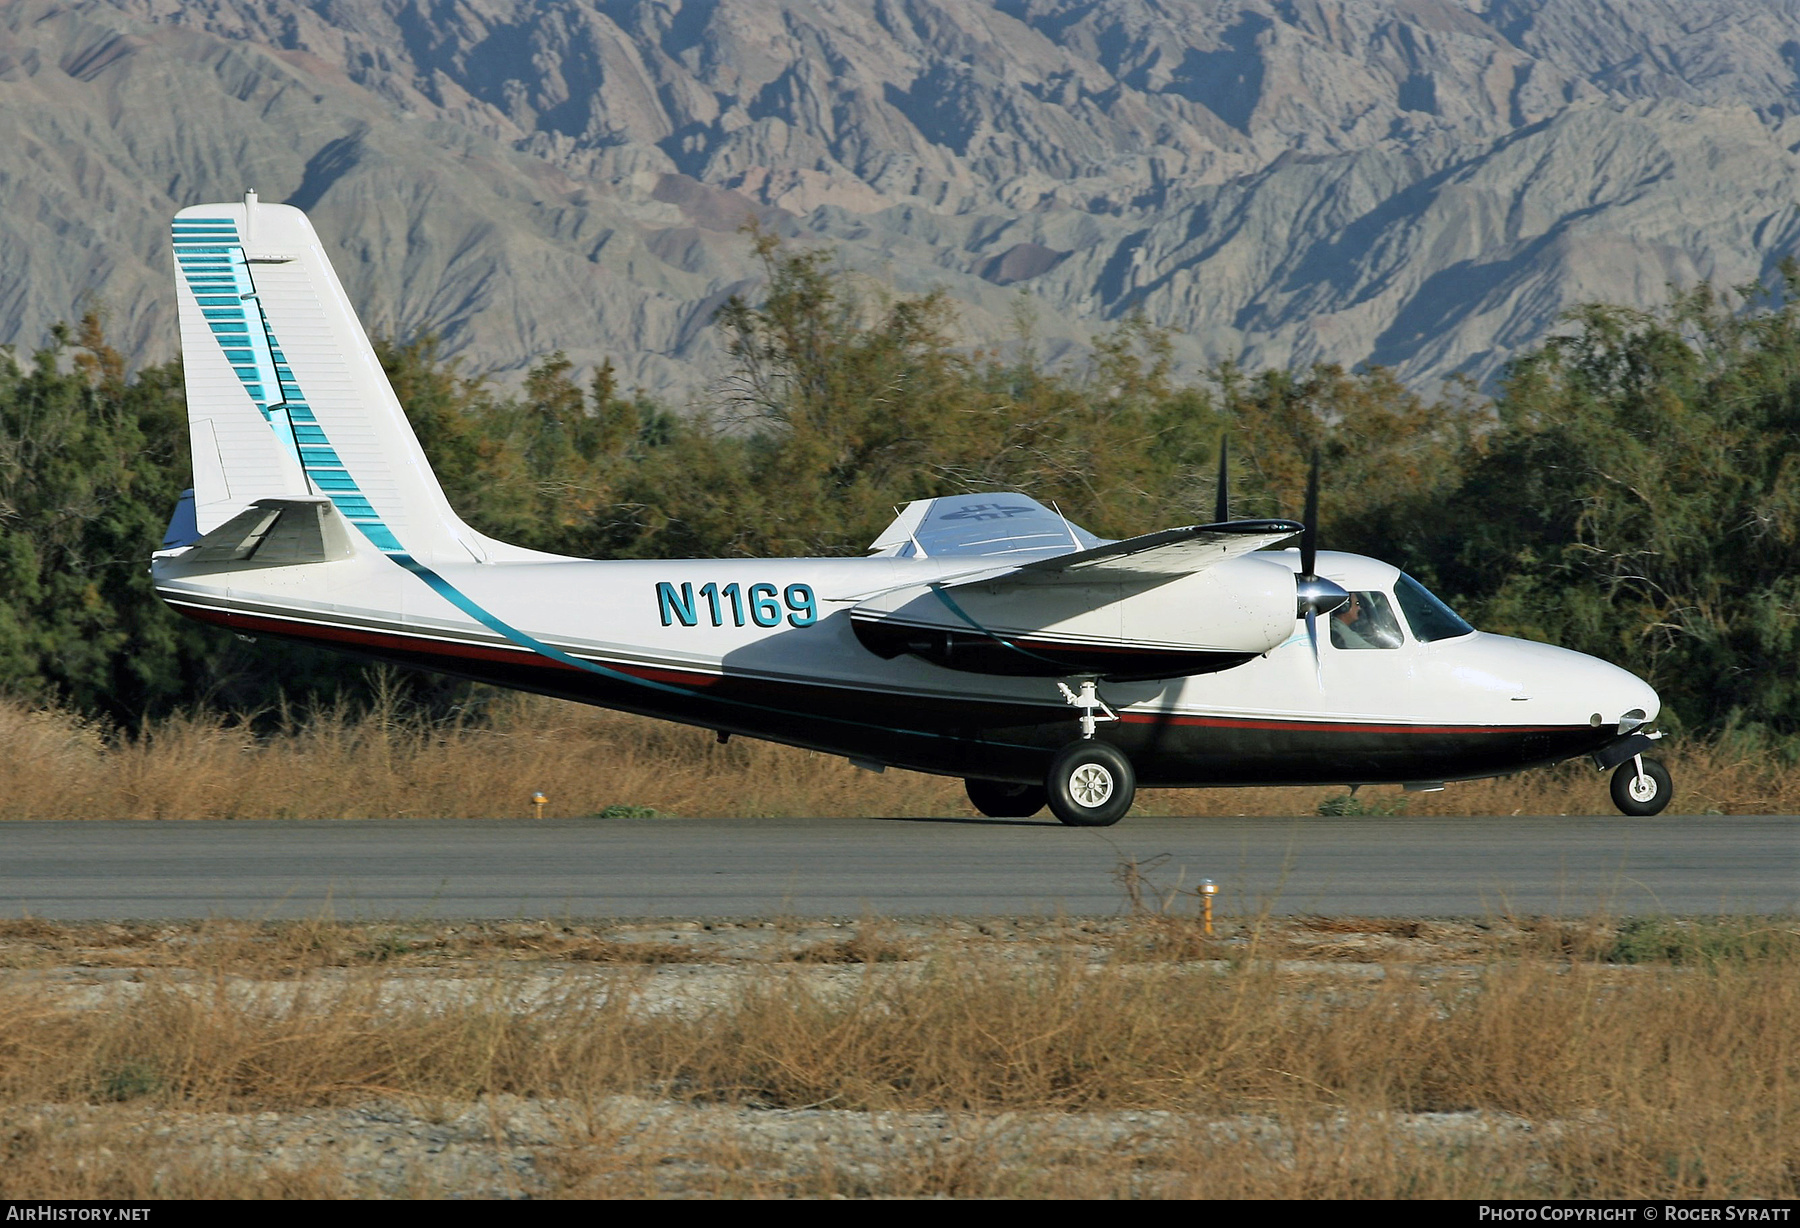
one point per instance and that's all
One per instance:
(285, 395)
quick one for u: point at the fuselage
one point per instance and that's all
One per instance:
(765, 648)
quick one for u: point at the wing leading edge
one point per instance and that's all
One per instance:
(1165, 554)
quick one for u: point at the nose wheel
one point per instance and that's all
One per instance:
(1090, 784)
(1641, 787)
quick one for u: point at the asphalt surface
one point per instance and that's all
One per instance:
(425, 869)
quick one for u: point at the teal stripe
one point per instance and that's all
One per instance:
(455, 596)
(384, 540)
(1004, 643)
(449, 592)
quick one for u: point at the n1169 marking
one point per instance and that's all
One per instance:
(684, 606)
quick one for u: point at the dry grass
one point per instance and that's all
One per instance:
(1604, 1060)
(384, 764)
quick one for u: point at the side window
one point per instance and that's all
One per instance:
(1365, 621)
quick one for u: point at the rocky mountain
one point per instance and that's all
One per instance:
(1421, 183)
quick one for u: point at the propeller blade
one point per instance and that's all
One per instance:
(1312, 635)
(1222, 509)
(1309, 535)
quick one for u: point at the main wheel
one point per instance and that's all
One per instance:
(999, 799)
(1644, 795)
(1090, 784)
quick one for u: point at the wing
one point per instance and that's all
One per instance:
(1019, 541)
(1163, 555)
(1040, 600)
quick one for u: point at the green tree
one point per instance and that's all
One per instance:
(91, 464)
(1639, 502)
(1388, 457)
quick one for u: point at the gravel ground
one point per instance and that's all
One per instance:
(507, 1147)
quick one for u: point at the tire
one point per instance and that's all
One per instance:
(1636, 801)
(1090, 784)
(1000, 799)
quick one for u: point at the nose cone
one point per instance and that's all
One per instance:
(1541, 683)
(1584, 687)
(1637, 694)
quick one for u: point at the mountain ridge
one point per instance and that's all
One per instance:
(1423, 183)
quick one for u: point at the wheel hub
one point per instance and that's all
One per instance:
(1091, 785)
(1642, 788)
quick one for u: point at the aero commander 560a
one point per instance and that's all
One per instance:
(984, 636)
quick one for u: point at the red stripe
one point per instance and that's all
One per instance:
(1306, 726)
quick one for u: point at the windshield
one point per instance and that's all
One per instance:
(1429, 618)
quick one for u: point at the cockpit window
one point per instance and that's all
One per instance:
(1429, 618)
(1365, 621)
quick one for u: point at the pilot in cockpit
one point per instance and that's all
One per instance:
(1343, 625)
(1364, 621)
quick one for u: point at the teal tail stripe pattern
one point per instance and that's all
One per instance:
(212, 261)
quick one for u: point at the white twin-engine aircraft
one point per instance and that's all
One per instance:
(984, 636)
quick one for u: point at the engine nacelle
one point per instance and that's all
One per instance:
(1054, 625)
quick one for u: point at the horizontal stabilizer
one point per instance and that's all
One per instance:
(276, 533)
(184, 528)
(998, 524)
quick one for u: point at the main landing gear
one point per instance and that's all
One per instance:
(998, 799)
(1090, 783)
(1641, 787)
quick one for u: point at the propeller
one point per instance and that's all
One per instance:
(1222, 509)
(1314, 594)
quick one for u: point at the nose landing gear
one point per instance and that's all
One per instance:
(1641, 787)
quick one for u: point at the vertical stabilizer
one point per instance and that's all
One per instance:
(285, 395)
